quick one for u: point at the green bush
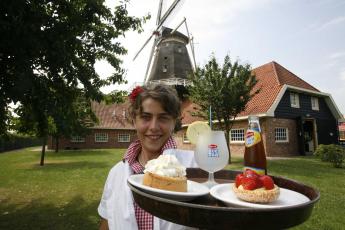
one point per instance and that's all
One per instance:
(322, 152)
(331, 153)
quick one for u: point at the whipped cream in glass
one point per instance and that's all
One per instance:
(166, 165)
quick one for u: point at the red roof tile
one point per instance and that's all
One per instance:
(284, 76)
(112, 116)
(188, 108)
(271, 77)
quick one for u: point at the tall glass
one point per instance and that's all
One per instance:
(211, 154)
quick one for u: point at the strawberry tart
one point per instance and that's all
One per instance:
(252, 187)
(166, 173)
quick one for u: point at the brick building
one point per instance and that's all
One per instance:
(295, 117)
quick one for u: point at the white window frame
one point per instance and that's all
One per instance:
(77, 139)
(237, 135)
(342, 135)
(185, 139)
(294, 100)
(165, 68)
(314, 103)
(123, 137)
(101, 137)
(281, 135)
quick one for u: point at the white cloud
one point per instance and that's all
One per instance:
(103, 68)
(334, 59)
(337, 55)
(330, 23)
(342, 76)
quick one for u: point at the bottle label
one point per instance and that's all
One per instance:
(252, 138)
(213, 150)
(257, 170)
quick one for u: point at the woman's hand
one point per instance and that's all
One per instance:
(103, 225)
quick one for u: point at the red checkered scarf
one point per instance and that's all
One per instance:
(144, 219)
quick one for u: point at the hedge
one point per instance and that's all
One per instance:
(15, 141)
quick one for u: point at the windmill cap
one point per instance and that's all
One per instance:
(166, 33)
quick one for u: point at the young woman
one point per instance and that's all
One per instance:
(154, 111)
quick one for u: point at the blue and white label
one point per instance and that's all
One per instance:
(213, 150)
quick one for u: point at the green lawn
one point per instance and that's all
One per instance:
(64, 194)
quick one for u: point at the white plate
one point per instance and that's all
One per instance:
(224, 192)
(194, 189)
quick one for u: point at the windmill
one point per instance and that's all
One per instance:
(171, 62)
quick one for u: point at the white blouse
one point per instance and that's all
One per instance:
(117, 201)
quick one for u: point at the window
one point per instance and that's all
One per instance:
(185, 138)
(165, 68)
(77, 139)
(341, 129)
(342, 135)
(314, 103)
(237, 135)
(294, 100)
(281, 135)
(124, 137)
(101, 137)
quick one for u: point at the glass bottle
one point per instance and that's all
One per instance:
(254, 153)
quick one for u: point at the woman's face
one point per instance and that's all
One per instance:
(154, 126)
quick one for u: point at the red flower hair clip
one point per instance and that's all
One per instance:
(135, 92)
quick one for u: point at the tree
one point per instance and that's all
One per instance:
(71, 117)
(48, 50)
(225, 89)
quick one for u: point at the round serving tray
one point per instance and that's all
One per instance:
(208, 213)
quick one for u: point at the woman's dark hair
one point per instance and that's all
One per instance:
(165, 95)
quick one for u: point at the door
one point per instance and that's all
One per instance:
(309, 136)
(300, 135)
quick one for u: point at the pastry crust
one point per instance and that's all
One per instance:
(177, 184)
(257, 195)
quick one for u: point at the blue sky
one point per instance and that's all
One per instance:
(305, 36)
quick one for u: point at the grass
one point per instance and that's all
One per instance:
(64, 194)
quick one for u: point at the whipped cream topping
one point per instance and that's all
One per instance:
(258, 189)
(166, 165)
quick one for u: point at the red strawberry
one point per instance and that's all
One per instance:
(248, 172)
(238, 180)
(267, 182)
(251, 183)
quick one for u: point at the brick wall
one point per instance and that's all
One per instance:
(237, 148)
(179, 140)
(274, 148)
(268, 126)
(90, 142)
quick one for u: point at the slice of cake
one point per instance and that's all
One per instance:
(255, 188)
(166, 173)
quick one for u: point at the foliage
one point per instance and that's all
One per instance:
(322, 152)
(15, 141)
(331, 153)
(115, 96)
(48, 50)
(226, 88)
